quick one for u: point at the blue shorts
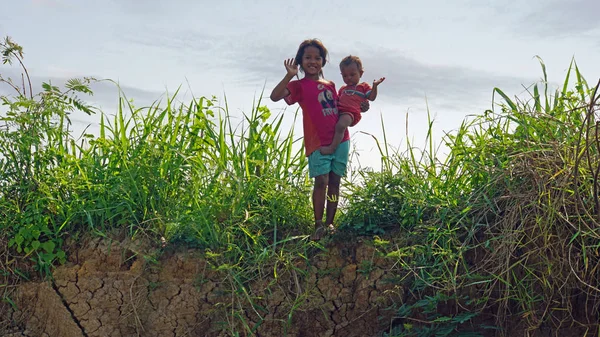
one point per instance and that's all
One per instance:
(319, 164)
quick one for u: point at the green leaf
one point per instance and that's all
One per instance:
(48, 246)
(36, 234)
(47, 258)
(444, 331)
(464, 316)
(443, 319)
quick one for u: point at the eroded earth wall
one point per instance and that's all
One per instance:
(107, 289)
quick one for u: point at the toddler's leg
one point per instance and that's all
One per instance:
(343, 122)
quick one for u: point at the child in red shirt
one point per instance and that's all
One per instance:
(351, 96)
(318, 99)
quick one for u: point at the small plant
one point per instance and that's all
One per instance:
(366, 267)
(424, 318)
(35, 151)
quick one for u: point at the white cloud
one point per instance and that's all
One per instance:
(564, 18)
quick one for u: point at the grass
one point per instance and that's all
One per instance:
(511, 215)
(504, 228)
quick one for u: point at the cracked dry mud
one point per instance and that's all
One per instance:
(108, 290)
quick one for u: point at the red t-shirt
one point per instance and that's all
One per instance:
(318, 100)
(351, 97)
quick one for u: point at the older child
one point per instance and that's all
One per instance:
(318, 99)
(351, 96)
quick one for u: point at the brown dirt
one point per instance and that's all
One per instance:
(108, 288)
(116, 288)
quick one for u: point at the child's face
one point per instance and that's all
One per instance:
(351, 74)
(312, 62)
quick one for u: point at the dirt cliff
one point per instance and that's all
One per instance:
(111, 288)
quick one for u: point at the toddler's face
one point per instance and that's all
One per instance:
(351, 74)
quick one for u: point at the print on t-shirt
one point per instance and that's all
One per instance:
(356, 92)
(327, 102)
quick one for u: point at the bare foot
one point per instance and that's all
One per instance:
(325, 150)
(331, 230)
(321, 232)
(318, 234)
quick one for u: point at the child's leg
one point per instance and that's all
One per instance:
(343, 122)
(333, 195)
(319, 167)
(338, 170)
(318, 198)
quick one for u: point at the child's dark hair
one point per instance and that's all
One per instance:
(311, 43)
(348, 60)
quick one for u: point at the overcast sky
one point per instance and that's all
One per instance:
(447, 56)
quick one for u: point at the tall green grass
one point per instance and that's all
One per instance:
(179, 171)
(190, 173)
(507, 225)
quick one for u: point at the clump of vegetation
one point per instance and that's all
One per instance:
(173, 172)
(507, 224)
(504, 227)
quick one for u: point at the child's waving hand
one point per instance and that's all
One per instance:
(291, 67)
(378, 82)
